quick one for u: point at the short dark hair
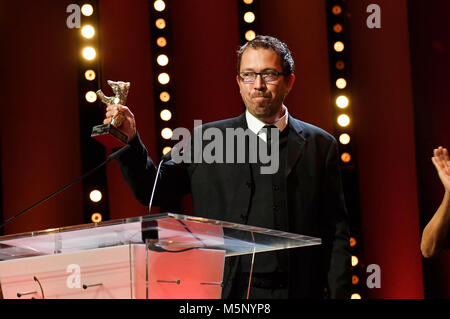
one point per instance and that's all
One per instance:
(268, 42)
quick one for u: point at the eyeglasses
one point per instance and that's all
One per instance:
(267, 76)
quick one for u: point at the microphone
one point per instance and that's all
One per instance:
(110, 158)
(167, 157)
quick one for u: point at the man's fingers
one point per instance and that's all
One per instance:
(445, 154)
(116, 108)
(438, 163)
(111, 113)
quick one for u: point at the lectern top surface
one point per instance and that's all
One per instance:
(162, 232)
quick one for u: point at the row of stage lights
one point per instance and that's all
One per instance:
(161, 65)
(342, 101)
(247, 11)
(340, 73)
(89, 52)
(90, 55)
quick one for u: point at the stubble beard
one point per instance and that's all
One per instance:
(264, 111)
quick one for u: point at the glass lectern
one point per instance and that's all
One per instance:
(156, 256)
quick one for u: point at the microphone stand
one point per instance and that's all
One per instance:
(110, 158)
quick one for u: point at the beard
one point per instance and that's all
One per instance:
(264, 108)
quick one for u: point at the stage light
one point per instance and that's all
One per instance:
(95, 196)
(249, 17)
(159, 5)
(89, 53)
(162, 60)
(352, 241)
(89, 75)
(164, 96)
(166, 150)
(346, 157)
(166, 133)
(336, 10)
(250, 35)
(88, 31)
(355, 280)
(248, 1)
(341, 83)
(338, 46)
(161, 42)
(342, 102)
(356, 296)
(343, 120)
(96, 217)
(87, 10)
(337, 28)
(340, 65)
(344, 139)
(91, 97)
(163, 78)
(160, 23)
(166, 115)
(355, 261)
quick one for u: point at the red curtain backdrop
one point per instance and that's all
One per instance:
(384, 130)
(40, 135)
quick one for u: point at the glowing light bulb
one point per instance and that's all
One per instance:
(89, 53)
(162, 60)
(164, 96)
(87, 10)
(339, 46)
(91, 97)
(96, 217)
(95, 196)
(163, 78)
(342, 102)
(159, 5)
(160, 23)
(166, 133)
(88, 31)
(343, 120)
(249, 17)
(250, 35)
(89, 75)
(166, 115)
(161, 42)
(341, 83)
(344, 138)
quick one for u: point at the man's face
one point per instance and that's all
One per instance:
(263, 100)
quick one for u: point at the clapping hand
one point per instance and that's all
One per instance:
(442, 163)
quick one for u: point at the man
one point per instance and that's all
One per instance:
(303, 196)
(435, 236)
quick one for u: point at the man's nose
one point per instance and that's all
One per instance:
(260, 84)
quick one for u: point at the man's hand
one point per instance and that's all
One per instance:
(128, 126)
(442, 163)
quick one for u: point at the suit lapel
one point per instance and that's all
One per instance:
(296, 144)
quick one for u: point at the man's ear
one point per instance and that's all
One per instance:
(237, 80)
(291, 81)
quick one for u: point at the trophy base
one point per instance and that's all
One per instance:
(109, 135)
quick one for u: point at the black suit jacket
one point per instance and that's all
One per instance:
(223, 191)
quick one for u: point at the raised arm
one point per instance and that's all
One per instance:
(435, 234)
